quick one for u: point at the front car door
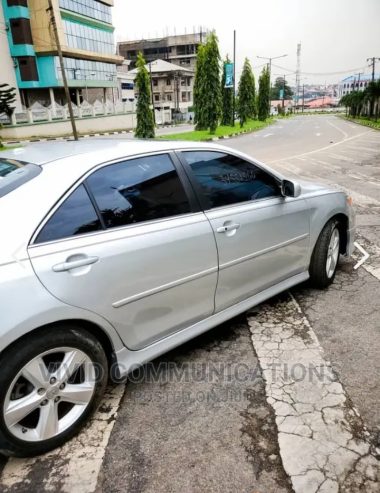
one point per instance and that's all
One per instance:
(262, 237)
(130, 244)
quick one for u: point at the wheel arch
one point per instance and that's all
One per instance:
(94, 329)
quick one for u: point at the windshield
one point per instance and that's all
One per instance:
(14, 173)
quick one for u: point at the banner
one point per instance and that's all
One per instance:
(229, 71)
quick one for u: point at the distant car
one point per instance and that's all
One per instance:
(113, 252)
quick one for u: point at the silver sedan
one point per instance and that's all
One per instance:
(114, 252)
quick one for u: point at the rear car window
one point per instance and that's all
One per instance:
(14, 173)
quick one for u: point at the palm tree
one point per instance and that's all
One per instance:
(373, 96)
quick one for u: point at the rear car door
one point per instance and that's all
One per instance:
(262, 237)
(131, 244)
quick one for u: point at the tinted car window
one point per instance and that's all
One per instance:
(138, 190)
(14, 173)
(225, 179)
(74, 217)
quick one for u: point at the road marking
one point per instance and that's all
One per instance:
(345, 134)
(318, 134)
(320, 149)
(365, 255)
(267, 135)
(75, 467)
(373, 265)
(323, 443)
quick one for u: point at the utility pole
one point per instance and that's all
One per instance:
(358, 74)
(270, 64)
(373, 60)
(303, 97)
(283, 92)
(62, 65)
(234, 87)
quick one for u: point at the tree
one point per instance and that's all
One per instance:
(7, 98)
(373, 96)
(199, 90)
(213, 97)
(263, 99)
(207, 93)
(227, 98)
(278, 86)
(354, 102)
(145, 121)
(247, 94)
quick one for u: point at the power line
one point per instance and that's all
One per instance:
(322, 73)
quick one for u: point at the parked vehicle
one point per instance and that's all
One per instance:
(113, 252)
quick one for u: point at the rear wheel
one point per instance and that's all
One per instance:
(324, 260)
(50, 384)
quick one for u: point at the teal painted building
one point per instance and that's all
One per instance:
(86, 36)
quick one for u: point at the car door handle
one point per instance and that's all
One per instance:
(228, 227)
(74, 264)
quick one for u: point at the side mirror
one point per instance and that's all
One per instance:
(290, 188)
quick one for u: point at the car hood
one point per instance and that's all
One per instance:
(311, 188)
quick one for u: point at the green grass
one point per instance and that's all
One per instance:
(364, 121)
(222, 131)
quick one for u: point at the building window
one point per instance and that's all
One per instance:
(183, 82)
(155, 82)
(168, 97)
(168, 82)
(127, 85)
(79, 69)
(89, 8)
(184, 99)
(21, 3)
(156, 97)
(28, 68)
(189, 96)
(87, 38)
(21, 31)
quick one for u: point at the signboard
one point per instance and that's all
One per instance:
(281, 94)
(229, 71)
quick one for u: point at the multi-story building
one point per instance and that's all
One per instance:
(31, 60)
(178, 49)
(357, 82)
(172, 87)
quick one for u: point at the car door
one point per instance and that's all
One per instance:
(262, 237)
(130, 244)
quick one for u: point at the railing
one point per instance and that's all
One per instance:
(38, 113)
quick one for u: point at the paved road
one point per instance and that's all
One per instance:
(203, 419)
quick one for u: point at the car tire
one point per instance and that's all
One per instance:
(327, 248)
(70, 369)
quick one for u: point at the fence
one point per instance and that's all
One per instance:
(38, 113)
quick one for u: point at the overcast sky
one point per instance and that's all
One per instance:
(336, 35)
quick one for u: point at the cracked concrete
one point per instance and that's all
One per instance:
(324, 444)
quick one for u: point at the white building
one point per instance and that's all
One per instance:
(173, 90)
(355, 83)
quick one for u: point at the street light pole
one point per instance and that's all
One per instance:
(234, 88)
(270, 63)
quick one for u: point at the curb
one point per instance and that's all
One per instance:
(47, 139)
(98, 134)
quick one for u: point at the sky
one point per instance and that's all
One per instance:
(335, 35)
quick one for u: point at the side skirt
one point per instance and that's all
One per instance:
(128, 360)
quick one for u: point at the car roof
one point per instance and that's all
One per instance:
(42, 153)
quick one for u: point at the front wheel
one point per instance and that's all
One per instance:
(324, 260)
(50, 383)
